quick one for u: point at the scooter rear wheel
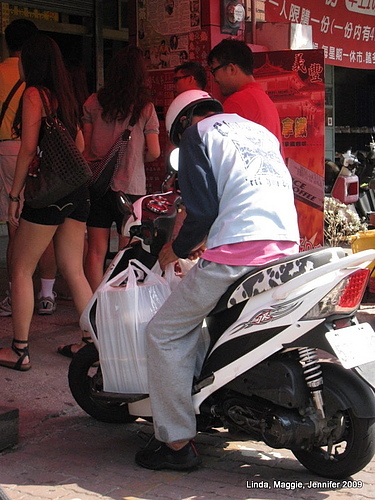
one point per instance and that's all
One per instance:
(85, 380)
(351, 453)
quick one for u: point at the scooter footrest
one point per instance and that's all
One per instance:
(120, 397)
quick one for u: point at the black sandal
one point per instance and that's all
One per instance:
(66, 350)
(22, 353)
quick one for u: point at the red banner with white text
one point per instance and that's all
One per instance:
(344, 29)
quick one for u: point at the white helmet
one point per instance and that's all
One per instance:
(184, 105)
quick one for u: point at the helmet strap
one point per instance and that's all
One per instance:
(185, 122)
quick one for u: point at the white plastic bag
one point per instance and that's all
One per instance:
(169, 274)
(186, 265)
(125, 306)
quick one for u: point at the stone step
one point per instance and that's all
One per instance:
(8, 427)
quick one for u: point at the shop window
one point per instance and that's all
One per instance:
(124, 22)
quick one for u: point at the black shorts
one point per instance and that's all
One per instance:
(74, 206)
(104, 211)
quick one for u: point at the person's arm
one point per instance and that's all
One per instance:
(87, 134)
(152, 147)
(199, 193)
(87, 128)
(167, 255)
(151, 131)
(80, 142)
(31, 122)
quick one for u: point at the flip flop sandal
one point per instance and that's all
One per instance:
(66, 350)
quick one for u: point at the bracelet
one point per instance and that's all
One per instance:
(16, 199)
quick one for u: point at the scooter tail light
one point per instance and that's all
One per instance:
(355, 289)
(344, 298)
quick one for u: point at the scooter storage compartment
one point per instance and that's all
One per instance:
(279, 379)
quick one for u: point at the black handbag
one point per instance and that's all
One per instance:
(59, 168)
(104, 170)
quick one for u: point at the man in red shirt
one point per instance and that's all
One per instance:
(231, 62)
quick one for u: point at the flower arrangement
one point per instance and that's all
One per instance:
(340, 222)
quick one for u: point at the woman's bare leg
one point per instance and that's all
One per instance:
(69, 247)
(30, 242)
(97, 247)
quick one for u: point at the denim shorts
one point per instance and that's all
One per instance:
(105, 211)
(74, 206)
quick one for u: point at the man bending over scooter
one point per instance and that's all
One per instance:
(239, 201)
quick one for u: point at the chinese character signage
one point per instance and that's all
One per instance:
(9, 12)
(343, 29)
(295, 82)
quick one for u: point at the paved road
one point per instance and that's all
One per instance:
(64, 454)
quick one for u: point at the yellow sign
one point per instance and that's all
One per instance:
(10, 12)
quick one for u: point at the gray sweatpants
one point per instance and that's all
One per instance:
(174, 339)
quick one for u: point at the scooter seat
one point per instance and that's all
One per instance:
(276, 273)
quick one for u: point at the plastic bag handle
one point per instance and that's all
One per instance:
(150, 276)
(126, 279)
(117, 280)
(132, 278)
(169, 274)
(135, 268)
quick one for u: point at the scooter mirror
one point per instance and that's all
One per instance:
(173, 159)
(124, 203)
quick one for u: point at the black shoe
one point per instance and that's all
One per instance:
(157, 456)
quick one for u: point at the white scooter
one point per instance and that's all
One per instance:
(288, 362)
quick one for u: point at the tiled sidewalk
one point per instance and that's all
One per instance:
(63, 453)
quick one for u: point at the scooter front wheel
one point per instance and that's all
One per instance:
(85, 381)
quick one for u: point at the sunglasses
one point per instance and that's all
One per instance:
(176, 78)
(213, 70)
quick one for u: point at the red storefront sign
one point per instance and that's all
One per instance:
(294, 80)
(344, 29)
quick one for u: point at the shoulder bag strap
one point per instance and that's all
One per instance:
(123, 137)
(13, 90)
(126, 133)
(45, 103)
(119, 145)
(123, 144)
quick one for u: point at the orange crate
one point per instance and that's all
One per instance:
(364, 240)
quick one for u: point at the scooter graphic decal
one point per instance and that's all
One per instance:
(267, 315)
(275, 275)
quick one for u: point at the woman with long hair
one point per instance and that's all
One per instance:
(106, 115)
(42, 68)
